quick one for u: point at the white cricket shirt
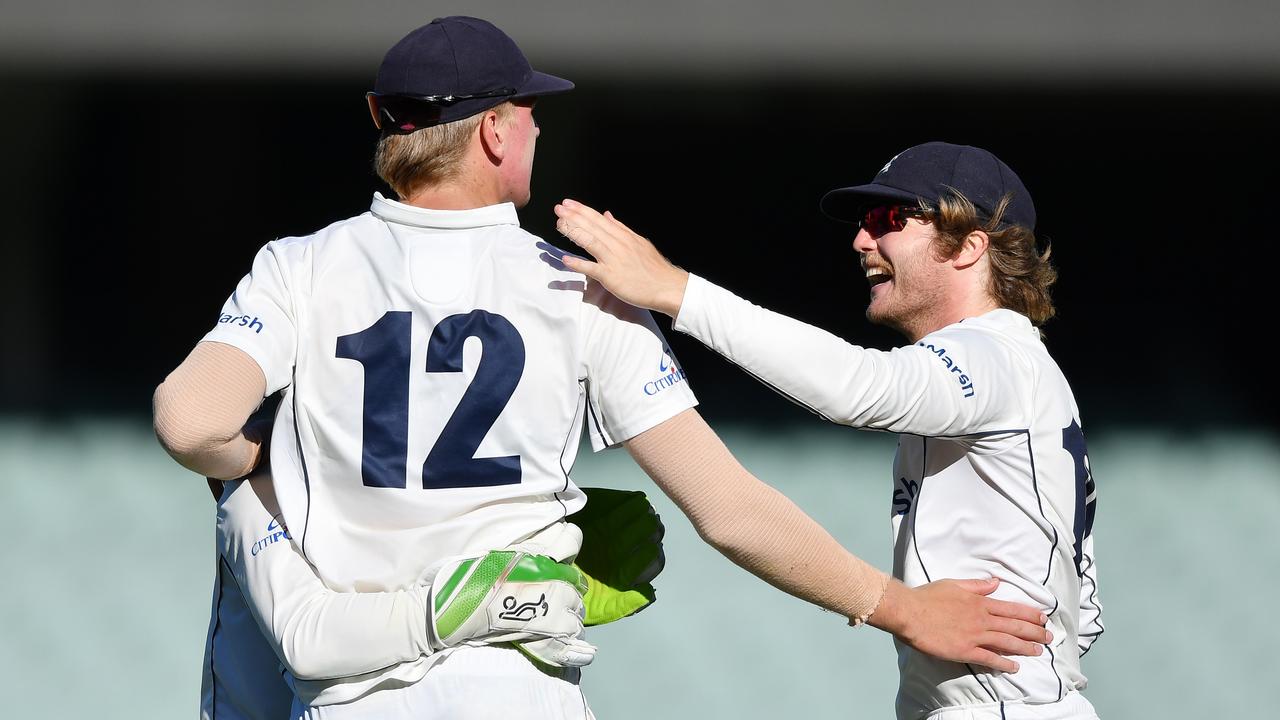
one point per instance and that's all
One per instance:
(437, 368)
(991, 476)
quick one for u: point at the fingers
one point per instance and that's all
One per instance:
(578, 234)
(1015, 611)
(642, 565)
(1002, 608)
(641, 527)
(575, 214)
(993, 661)
(1031, 632)
(981, 587)
(594, 227)
(582, 265)
(1009, 645)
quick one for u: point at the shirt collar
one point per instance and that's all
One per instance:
(1008, 319)
(397, 212)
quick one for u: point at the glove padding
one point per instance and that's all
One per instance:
(509, 596)
(621, 553)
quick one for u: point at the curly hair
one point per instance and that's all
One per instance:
(428, 156)
(1020, 274)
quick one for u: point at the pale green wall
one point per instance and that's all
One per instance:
(108, 557)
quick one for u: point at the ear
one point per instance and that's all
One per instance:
(972, 249)
(493, 136)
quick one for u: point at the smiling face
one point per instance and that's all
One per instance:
(908, 281)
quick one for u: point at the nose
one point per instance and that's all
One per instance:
(863, 242)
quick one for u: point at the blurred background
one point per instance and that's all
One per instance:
(151, 148)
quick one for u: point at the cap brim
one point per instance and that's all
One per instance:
(848, 204)
(542, 84)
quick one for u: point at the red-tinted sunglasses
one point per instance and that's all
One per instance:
(884, 219)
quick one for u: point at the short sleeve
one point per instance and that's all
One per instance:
(258, 318)
(634, 381)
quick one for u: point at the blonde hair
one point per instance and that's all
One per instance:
(1020, 274)
(428, 156)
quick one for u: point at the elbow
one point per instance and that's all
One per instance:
(184, 443)
(300, 654)
(163, 423)
(303, 666)
(729, 539)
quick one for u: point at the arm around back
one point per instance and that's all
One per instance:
(317, 633)
(752, 524)
(762, 531)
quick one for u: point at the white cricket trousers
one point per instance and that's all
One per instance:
(473, 683)
(1072, 707)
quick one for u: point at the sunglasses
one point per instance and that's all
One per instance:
(884, 219)
(402, 114)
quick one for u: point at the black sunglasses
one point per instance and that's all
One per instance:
(402, 114)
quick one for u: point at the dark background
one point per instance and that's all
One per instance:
(133, 206)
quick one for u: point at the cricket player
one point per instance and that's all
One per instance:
(991, 474)
(437, 364)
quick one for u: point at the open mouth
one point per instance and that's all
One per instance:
(877, 275)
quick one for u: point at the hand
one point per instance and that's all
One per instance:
(621, 553)
(511, 596)
(952, 620)
(628, 265)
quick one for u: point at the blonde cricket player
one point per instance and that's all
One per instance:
(437, 364)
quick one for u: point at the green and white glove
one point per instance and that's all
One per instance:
(621, 553)
(510, 596)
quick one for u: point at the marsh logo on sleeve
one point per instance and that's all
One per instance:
(253, 323)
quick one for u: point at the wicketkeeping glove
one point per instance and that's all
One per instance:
(511, 595)
(621, 553)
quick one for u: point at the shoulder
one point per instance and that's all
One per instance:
(999, 331)
(1000, 344)
(295, 247)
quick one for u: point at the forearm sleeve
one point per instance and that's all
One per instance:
(200, 411)
(904, 390)
(319, 634)
(752, 524)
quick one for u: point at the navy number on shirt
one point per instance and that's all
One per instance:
(384, 350)
(1086, 497)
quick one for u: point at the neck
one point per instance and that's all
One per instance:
(959, 304)
(474, 185)
(453, 196)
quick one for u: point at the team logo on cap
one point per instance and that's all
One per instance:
(886, 165)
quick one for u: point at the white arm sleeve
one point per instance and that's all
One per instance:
(930, 388)
(1091, 627)
(318, 634)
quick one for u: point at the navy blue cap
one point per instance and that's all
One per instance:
(462, 56)
(925, 171)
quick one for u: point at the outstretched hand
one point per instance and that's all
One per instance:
(628, 265)
(953, 620)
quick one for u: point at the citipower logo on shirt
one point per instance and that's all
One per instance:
(276, 531)
(671, 374)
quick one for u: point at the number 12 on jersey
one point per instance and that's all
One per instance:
(384, 349)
